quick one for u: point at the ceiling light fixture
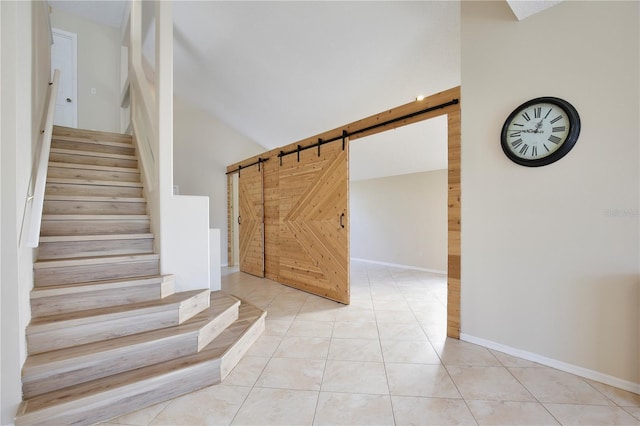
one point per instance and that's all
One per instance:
(419, 97)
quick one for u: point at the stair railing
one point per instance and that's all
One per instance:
(35, 200)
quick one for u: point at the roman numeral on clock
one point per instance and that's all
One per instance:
(516, 143)
(556, 119)
(554, 139)
(524, 149)
(534, 151)
(515, 134)
(526, 116)
(558, 129)
(537, 112)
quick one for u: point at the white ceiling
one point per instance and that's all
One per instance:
(279, 72)
(105, 12)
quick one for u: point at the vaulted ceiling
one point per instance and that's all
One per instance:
(279, 72)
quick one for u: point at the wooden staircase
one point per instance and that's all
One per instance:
(108, 334)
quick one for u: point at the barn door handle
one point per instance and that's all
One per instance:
(68, 99)
(238, 220)
(341, 223)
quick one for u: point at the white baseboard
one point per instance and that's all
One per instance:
(554, 363)
(396, 265)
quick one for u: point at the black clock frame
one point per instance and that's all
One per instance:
(570, 141)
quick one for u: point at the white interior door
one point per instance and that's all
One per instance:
(64, 56)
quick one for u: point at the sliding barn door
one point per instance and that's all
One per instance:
(314, 221)
(251, 222)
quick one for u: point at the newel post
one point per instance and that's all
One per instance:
(164, 104)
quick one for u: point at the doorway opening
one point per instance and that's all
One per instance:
(398, 205)
(398, 193)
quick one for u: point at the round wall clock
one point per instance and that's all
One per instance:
(540, 131)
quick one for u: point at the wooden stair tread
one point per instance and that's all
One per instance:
(93, 167)
(70, 181)
(94, 260)
(95, 217)
(64, 131)
(152, 375)
(54, 322)
(61, 290)
(99, 237)
(220, 302)
(128, 144)
(93, 199)
(92, 154)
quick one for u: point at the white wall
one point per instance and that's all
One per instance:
(203, 147)
(550, 255)
(98, 67)
(401, 220)
(24, 77)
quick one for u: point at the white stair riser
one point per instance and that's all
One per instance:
(76, 173)
(92, 147)
(86, 273)
(94, 207)
(214, 328)
(95, 299)
(60, 250)
(87, 333)
(94, 227)
(93, 190)
(241, 347)
(87, 159)
(107, 364)
(193, 306)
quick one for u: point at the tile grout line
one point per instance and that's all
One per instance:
(326, 361)
(384, 364)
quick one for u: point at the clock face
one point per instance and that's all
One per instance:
(540, 131)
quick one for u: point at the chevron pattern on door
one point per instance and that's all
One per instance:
(251, 219)
(314, 226)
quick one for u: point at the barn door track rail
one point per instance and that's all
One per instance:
(346, 134)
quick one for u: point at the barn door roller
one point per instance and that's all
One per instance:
(259, 161)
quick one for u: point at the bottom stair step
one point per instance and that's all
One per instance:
(113, 396)
(62, 368)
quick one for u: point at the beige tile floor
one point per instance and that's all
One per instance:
(382, 360)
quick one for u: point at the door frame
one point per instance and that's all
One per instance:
(448, 103)
(74, 71)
